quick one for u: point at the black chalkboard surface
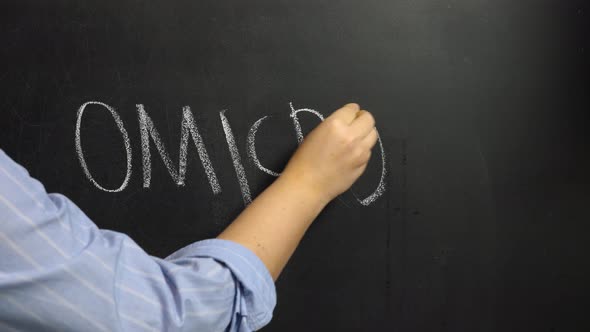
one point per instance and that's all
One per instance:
(481, 221)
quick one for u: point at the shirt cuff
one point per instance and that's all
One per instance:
(255, 279)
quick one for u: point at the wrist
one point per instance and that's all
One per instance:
(306, 188)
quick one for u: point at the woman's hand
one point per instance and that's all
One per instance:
(327, 163)
(335, 154)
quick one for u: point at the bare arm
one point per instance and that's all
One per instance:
(328, 162)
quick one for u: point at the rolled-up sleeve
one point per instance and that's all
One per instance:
(58, 271)
(255, 296)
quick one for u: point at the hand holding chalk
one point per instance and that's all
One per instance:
(335, 154)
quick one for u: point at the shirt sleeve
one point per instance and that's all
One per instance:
(60, 272)
(255, 293)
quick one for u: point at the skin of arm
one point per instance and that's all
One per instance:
(330, 159)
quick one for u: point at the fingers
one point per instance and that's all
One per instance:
(346, 113)
(369, 141)
(361, 121)
(365, 146)
(361, 153)
(363, 124)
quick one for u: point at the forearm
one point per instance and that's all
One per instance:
(326, 164)
(274, 223)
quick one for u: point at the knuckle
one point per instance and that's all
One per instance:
(364, 157)
(334, 122)
(353, 106)
(348, 141)
(331, 125)
(338, 128)
(368, 117)
(358, 152)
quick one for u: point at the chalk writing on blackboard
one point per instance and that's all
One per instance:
(252, 148)
(235, 156)
(189, 129)
(126, 142)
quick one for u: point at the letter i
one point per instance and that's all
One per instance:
(235, 156)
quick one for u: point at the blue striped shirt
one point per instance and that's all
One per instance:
(59, 272)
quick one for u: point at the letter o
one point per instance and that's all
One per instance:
(126, 142)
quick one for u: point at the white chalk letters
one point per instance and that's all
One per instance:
(188, 128)
(125, 142)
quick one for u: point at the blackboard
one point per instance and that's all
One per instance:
(481, 106)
